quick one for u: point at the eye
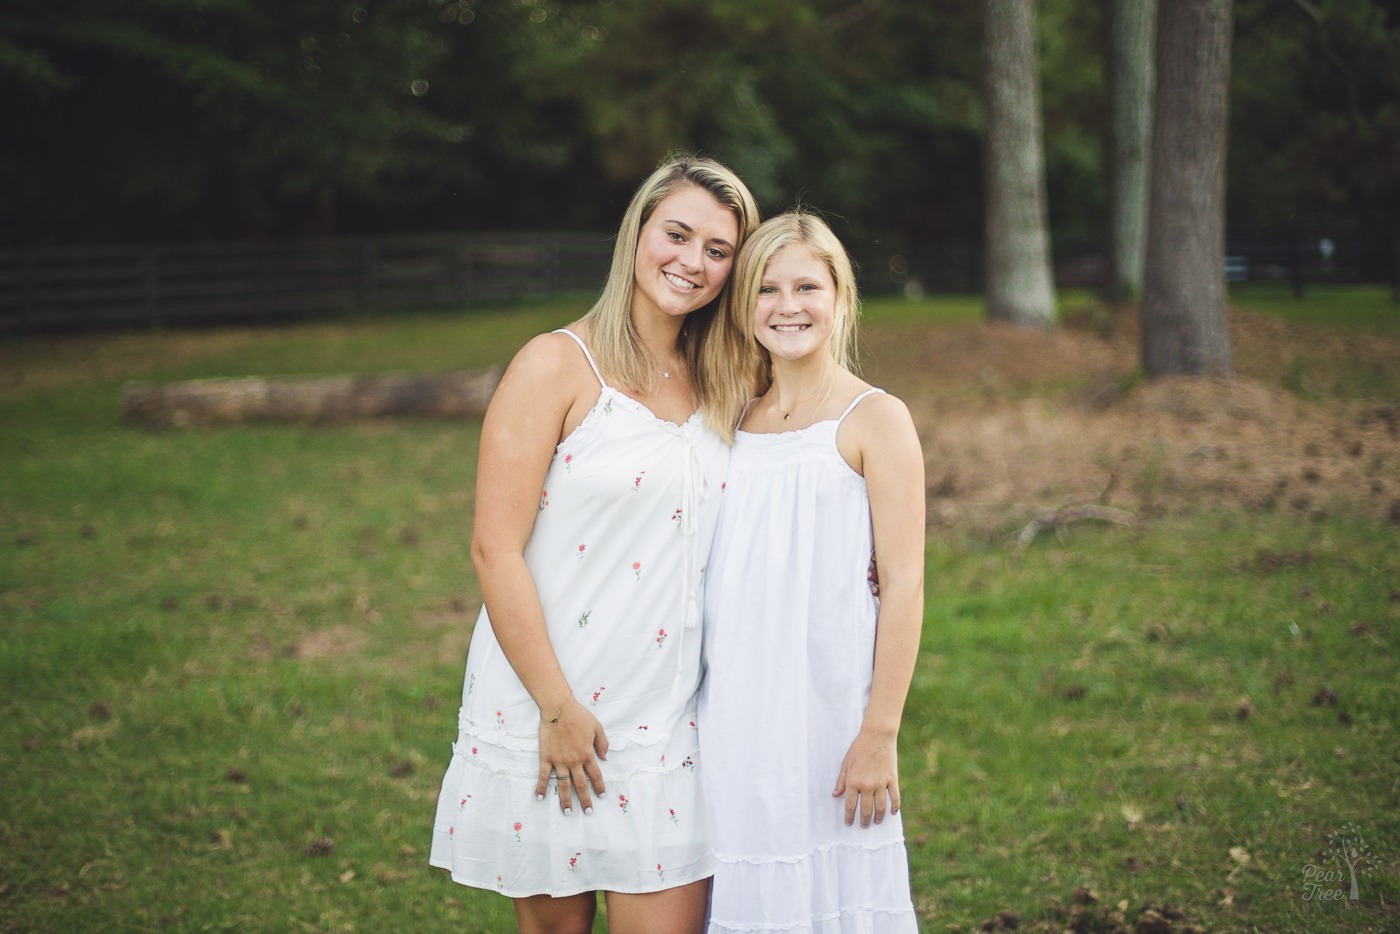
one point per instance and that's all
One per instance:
(766, 290)
(675, 236)
(716, 253)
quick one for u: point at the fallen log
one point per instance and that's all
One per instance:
(307, 400)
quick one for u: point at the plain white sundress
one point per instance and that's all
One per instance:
(617, 554)
(789, 654)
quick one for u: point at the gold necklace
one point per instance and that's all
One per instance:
(801, 402)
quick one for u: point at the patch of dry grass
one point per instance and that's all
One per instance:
(1017, 422)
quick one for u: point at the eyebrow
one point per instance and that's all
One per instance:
(690, 230)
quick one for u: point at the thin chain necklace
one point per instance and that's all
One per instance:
(824, 389)
(801, 402)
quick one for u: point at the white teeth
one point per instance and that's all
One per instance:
(680, 283)
(789, 328)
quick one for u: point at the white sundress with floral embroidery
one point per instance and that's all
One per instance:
(789, 655)
(617, 555)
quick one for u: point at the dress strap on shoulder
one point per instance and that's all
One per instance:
(584, 347)
(856, 401)
(745, 413)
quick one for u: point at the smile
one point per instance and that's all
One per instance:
(680, 283)
(790, 328)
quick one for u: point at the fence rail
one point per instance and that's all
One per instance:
(188, 283)
(270, 281)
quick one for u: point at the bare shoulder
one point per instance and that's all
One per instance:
(878, 431)
(550, 365)
(882, 415)
(551, 356)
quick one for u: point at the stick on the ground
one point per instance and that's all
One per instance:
(1060, 519)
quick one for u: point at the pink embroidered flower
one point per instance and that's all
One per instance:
(573, 862)
(623, 803)
(498, 881)
(660, 638)
(583, 620)
(569, 462)
(674, 818)
(659, 871)
(676, 518)
(689, 763)
(463, 804)
(473, 750)
(637, 569)
(597, 694)
(451, 831)
(500, 720)
(637, 483)
(518, 827)
(580, 551)
(642, 727)
(723, 485)
(544, 499)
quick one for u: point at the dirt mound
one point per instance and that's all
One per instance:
(1016, 423)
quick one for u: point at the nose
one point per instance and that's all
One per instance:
(691, 254)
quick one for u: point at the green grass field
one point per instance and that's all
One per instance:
(230, 664)
(1367, 307)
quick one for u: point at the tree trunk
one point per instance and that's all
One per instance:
(317, 400)
(1019, 284)
(1132, 26)
(1184, 327)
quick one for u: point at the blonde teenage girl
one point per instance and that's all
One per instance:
(602, 456)
(806, 671)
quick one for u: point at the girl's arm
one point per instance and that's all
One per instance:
(538, 398)
(889, 455)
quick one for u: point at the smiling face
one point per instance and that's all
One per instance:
(684, 253)
(796, 307)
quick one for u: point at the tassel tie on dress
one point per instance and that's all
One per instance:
(695, 489)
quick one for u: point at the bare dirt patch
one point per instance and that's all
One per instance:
(1015, 422)
(329, 643)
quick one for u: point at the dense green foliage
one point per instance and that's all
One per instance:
(171, 118)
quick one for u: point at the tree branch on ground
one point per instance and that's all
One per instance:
(1059, 520)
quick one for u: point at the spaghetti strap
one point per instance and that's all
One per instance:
(855, 402)
(584, 347)
(745, 413)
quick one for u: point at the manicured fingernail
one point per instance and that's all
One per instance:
(539, 797)
(568, 811)
(588, 810)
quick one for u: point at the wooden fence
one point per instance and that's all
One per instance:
(268, 281)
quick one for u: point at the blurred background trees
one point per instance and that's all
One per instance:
(1184, 328)
(1132, 30)
(169, 119)
(1019, 285)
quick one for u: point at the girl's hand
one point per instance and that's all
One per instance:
(869, 777)
(567, 749)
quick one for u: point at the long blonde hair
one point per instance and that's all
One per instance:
(720, 363)
(803, 229)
